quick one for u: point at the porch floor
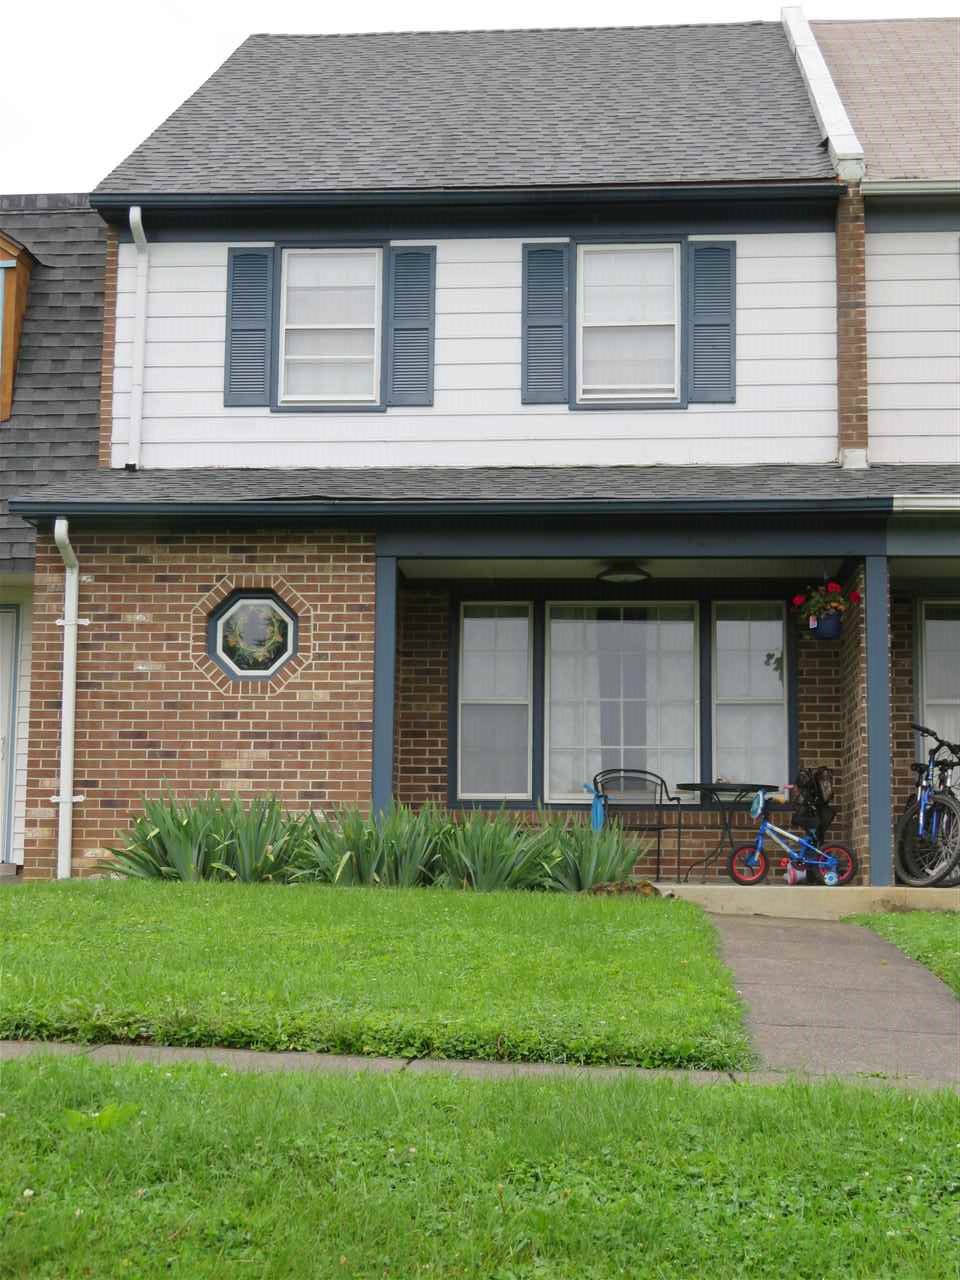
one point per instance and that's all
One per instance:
(811, 902)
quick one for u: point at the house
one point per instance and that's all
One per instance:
(900, 82)
(52, 250)
(473, 406)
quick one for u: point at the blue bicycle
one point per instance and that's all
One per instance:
(808, 860)
(928, 833)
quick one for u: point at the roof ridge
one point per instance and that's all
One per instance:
(500, 31)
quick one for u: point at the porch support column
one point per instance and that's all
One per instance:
(877, 625)
(384, 681)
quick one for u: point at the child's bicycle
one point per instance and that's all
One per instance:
(808, 860)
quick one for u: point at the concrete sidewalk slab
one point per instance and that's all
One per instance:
(834, 999)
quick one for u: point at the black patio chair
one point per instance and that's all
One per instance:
(641, 789)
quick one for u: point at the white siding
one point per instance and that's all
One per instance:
(786, 375)
(21, 597)
(913, 346)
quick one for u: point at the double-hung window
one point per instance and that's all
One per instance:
(628, 322)
(940, 667)
(330, 326)
(749, 693)
(495, 702)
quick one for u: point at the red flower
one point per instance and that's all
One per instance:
(798, 600)
(834, 588)
(855, 597)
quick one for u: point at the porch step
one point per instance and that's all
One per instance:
(811, 902)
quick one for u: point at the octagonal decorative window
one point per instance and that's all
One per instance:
(252, 635)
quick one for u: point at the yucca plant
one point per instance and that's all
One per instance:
(487, 853)
(409, 844)
(583, 858)
(259, 842)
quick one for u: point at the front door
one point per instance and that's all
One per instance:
(8, 676)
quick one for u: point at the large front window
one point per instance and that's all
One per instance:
(940, 622)
(628, 345)
(330, 326)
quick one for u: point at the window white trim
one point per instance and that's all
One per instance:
(376, 327)
(923, 711)
(224, 656)
(495, 701)
(627, 395)
(718, 701)
(551, 797)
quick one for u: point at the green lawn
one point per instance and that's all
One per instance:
(214, 1175)
(419, 972)
(932, 937)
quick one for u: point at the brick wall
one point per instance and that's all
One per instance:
(851, 321)
(423, 640)
(107, 348)
(854, 789)
(903, 710)
(153, 709)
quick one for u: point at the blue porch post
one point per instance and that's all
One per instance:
(877, 628)
(384, 681)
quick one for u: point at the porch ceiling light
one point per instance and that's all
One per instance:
(623, 571)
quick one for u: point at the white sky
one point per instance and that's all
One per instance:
(85, 81)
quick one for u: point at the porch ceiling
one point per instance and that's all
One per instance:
(658, 568)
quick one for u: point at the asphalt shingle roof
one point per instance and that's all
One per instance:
(488, 109)
(900, 82)
(53, 430)
(221, 486)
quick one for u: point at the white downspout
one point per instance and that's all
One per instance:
(65, 800)
(135, 425)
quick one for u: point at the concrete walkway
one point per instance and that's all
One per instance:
(825, 998)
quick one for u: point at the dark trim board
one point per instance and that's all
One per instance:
(912, 213)
(640, 214)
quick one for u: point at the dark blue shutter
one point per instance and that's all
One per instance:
(712, 323)
(410, 325)
(545, 378)
(249, 326)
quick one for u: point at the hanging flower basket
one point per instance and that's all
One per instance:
(821, 609)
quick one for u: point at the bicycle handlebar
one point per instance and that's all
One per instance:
(941, 742)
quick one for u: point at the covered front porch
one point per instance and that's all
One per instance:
(510, 668)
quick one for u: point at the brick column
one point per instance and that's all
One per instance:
(107, 347)
(851, 322)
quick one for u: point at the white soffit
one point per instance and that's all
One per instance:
(845, 149)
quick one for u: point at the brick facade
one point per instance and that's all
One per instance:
(423, 642)
(851, 321)
(152, 710)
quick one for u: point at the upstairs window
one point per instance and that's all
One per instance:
(330, 326)
(628, 322)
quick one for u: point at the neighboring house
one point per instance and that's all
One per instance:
(900, 82)
(474, 406)
(52, 251)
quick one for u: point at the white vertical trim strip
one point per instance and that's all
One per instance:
(845, 149)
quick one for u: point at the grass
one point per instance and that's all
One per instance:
(209, 1175)
(931, 937)
(536, 977)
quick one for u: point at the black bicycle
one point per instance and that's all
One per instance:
(928, 833)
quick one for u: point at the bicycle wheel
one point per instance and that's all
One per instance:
(847, 862)
(746, 866)
(923, 861)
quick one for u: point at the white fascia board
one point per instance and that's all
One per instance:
(923, 502)
(842, 141)
(911, 187)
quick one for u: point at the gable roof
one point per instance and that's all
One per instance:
(464, 110)
(900, 82)
(52, 433)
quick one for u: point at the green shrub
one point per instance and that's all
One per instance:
(582, 858)
(210, 839)
(216, 839)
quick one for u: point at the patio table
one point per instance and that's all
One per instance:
(727, 796)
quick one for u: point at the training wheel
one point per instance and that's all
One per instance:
(831, 878)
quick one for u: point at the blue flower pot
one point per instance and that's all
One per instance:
(829, 626)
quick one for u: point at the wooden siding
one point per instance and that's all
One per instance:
(913, 346)
(786, 375)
